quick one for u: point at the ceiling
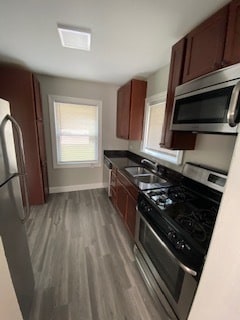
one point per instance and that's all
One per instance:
(130, 38)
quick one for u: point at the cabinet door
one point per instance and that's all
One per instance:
(16, 86)
(113, 187)
(172, 139)
(41, 139)
(43, 158)
(37, 98)
(121, 198)
(123, 111)
(131, 214)
(232, 47)
(205, 46)
(113, 197)
(138, 95)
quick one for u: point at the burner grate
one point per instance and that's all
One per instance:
(191, 213)
(166, 197)
(198, 223)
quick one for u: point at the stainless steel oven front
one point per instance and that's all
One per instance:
(170, 282)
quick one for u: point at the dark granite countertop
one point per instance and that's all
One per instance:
(124, 158)
(123, 162)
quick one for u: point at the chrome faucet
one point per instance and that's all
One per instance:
(153, 165)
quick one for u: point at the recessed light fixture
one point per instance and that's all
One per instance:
(75, 38)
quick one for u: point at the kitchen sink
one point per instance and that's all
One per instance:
(136, 171)
(145, 179)
(151, 178)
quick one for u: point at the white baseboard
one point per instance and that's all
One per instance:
(77, 187)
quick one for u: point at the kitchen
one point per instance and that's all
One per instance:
(214, 150)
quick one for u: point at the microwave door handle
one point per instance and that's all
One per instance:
(233, 105)
(22, 172)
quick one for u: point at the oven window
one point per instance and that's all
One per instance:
(169, 271)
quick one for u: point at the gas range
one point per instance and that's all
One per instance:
(185, 214)
(174, 226)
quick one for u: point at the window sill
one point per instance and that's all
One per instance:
(76, 165)
(175, 158)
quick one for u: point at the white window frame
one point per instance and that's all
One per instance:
(63, 99)
(163, 154)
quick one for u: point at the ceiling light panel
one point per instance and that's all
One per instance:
(75, 38)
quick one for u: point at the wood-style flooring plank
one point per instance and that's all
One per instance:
(83, 261)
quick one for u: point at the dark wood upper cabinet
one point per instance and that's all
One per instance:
(21, 88)
(130, 109)
(232, 46)
(212, 45)
(205, 46)
(123, 111)
(172, 139)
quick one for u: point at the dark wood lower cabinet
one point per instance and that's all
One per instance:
(113, 187)
(131, 214)
(113, 197)
(125, 200)
(122, 196)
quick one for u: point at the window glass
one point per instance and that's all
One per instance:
(75, 132)
(156, 117)
(153, 124)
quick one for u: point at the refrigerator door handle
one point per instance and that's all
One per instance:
(22, 172)
(26, 200)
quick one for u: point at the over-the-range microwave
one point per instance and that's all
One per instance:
(209, 104)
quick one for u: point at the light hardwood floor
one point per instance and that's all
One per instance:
(83, 261)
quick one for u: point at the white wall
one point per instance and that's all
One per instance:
(212, 150)
(218, 293)
(80, 178)
(158, 81)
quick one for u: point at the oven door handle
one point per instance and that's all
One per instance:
(163, 244)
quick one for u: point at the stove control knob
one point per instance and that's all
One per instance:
(172, 235)
(180, 245)
(145, 207)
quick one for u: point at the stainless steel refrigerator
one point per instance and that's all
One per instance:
(14, 209)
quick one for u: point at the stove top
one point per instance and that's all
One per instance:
(191, 215)
(199, 223)
(165, 197)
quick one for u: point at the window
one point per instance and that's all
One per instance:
(75, 129)
(153, 122)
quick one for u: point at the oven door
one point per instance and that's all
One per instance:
(169, 282)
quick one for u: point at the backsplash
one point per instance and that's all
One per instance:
(212, 150)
